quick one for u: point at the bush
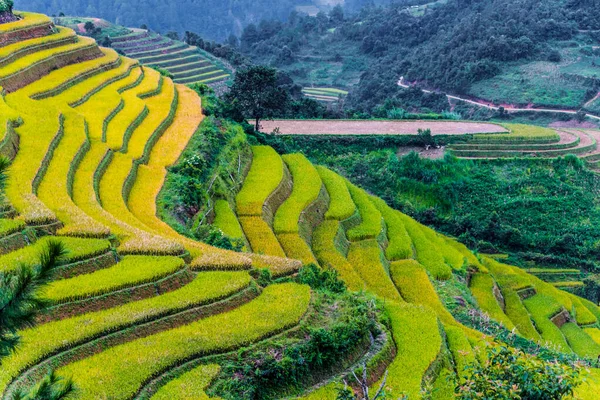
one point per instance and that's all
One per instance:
(512, 374)
(321, 279)
(6, 5)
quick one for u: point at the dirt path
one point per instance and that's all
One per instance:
(494, 107)
(592, 100)
(368, 127)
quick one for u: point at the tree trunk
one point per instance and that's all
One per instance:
(257, 124)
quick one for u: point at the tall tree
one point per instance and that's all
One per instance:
(256, 93)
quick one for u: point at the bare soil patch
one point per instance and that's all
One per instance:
(352, 127)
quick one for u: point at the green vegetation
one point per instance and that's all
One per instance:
(341, 205)
(77, 249)
(266, 174)
(517, 375)
(130, 271)
(190, 385)
(306, 189)
(371, 221)
(482, 287)
(278, 308)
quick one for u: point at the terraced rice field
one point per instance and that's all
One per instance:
(328, 95)
(356, 127)
(187, 64)
(136, 309)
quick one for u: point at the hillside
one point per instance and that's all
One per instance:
(519, 53)
(215, 20)
(334, 281)
(186, 64)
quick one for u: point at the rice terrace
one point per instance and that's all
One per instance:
(154, 245)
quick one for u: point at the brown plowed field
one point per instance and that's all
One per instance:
(353, 127)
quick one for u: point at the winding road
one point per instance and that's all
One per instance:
(494, 107)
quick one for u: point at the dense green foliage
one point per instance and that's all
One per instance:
(511, 374)
(451, 46)
(6, 5)
(214, 19)
(492, 206)
(288, 365)
(211, 166)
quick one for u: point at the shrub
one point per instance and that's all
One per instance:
(512, 374)
(6, 5)
(321, 279)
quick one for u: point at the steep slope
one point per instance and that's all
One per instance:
(137, 309)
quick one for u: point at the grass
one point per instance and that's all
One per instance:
(127, 367)
(593, 308)
(519, 315)
(265, 175)
(13, 51)
(460, 348)
(10, 226)
(61, 79)
(324, 248)
(260, 236)
(594, 333)
(117, 129)
(540, 83)
(371, 219)
(427, 252)
(519, 133)
(365, 257)
(582, 314)
(542, 308)
(130, 271)
(482, 288)
(78, 249)
(34, 143)
(306, 189)
(296, 248)
(28, 20)
(414, 286)
(582, 344)
(400, 244)
(226, 220)
(418, 341)
(190, 385)
(43, 340)
(341, 205)
(83, 91)
(53, 189)
(150, 178)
